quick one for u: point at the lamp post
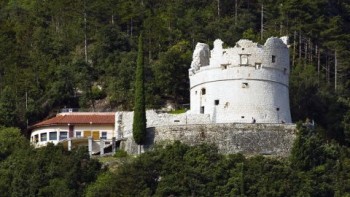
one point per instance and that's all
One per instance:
(90, 140)
(69, 138)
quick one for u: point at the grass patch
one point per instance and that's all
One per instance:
(120, 154)
(178, 111)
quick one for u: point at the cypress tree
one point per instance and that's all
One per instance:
(139, 122)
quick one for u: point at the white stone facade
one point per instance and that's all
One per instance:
(57, 133)
(244, 84)
(124, 120)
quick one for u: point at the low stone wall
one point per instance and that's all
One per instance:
(248, 139)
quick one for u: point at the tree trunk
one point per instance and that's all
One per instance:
(294, 47)
(236, 8)
(335, 70)
(218, 8)
(131, 27)
(299, 47)
(318, 62)
(305, 55)
(327, 69)
(85, 35)
(262, 23)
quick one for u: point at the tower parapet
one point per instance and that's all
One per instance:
(246, 83)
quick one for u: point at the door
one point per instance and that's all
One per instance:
(96, 135)
(71, 131)
(87, 134)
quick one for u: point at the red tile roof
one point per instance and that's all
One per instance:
(67, 118)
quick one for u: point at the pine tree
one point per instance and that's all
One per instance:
(139, 123)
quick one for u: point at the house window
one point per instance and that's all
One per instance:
(216, 102)
(273, 59)
(203, 91)
(63, 135)
(43, 137)
(104, 135)
(36, 138)
(53, 135)
(78, 134)
(202, 110)
(245, 85)
(242, 116)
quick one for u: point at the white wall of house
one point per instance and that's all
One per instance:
(43, 135)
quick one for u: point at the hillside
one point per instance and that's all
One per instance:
(70, 54)
(82, 54)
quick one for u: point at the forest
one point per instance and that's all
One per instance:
(82, 54)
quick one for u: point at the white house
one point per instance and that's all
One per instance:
(75, 126)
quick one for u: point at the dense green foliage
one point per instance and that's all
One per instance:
(139, 119)
(315, 168)
(56, 54)
(75, 53)
(47, 171)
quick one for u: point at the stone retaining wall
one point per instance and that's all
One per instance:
(248, 139)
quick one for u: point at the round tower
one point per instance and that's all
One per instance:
(246, 84)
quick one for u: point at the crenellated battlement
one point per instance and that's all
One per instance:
(244, 83)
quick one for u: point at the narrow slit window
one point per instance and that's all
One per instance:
(202, 110)
(203, 91)
(273, 59)
(216, 102)
(244, 60)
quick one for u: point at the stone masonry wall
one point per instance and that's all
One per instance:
(248, 139)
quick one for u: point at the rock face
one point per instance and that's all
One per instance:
(240, 84)
(200, 56)
(248, 139)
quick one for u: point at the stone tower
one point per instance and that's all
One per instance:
(247, 83)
